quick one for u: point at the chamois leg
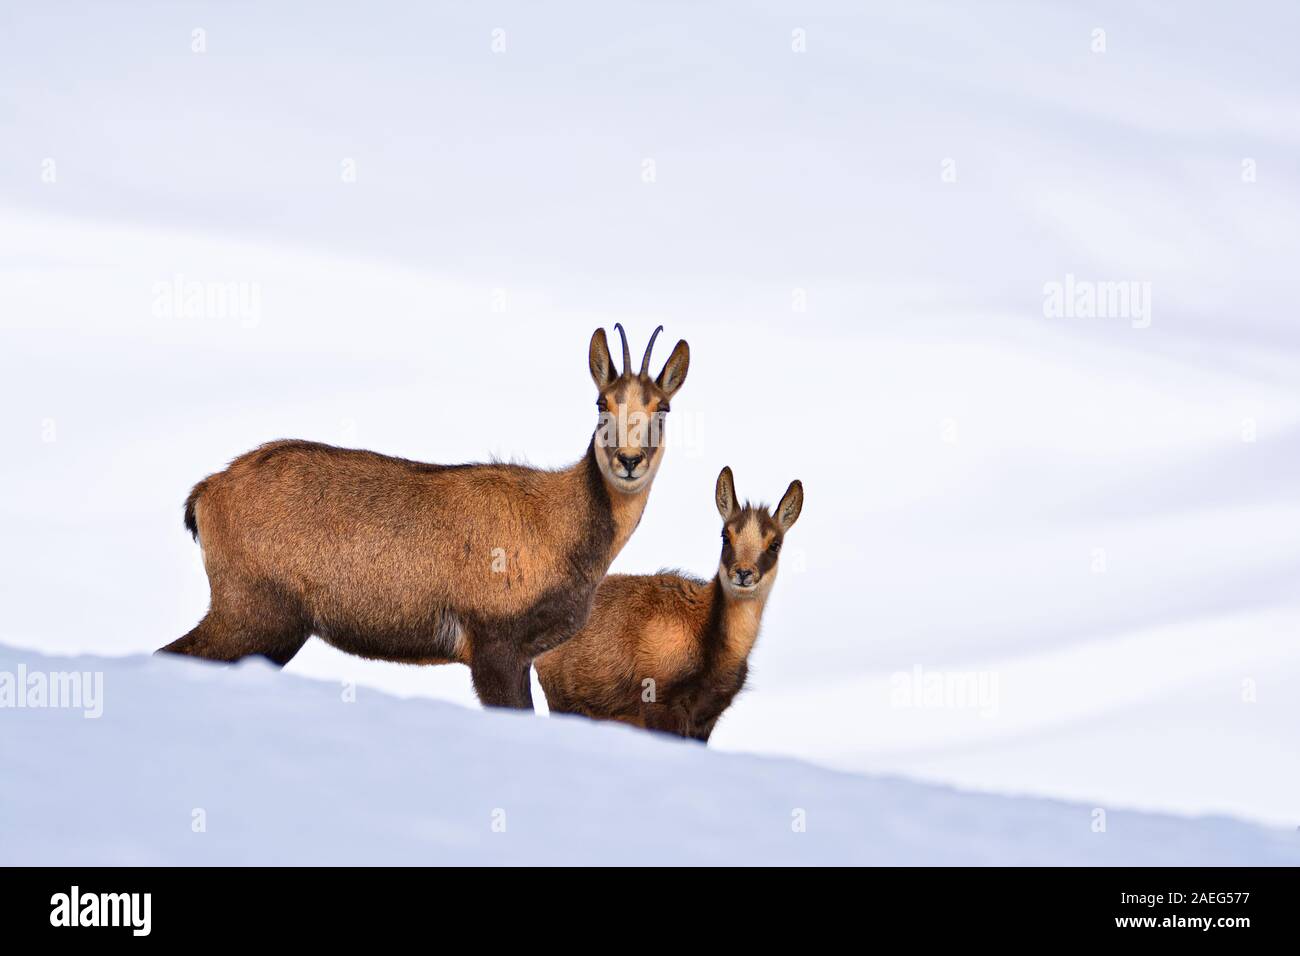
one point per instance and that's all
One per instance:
(702, 731)
(666, 719)
(500, 672)
(257, 624)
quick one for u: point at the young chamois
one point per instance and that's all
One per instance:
(669, 652)
(484, 564)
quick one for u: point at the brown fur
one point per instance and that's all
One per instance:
(486, 564)
(667, 651)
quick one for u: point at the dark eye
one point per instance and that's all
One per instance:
(774, 547)
(664, 409)
(724, 534)
(602, 405)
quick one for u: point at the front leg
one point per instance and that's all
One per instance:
(712, 704)
(667, 718)
(554, 622)
(547, 640)
(500, 671)
(701, 731)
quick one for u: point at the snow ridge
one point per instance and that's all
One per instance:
(195, 763)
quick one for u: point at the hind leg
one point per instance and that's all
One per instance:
(241, 624)
(218, 639)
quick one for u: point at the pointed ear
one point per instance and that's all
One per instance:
(674, 374)
(599, 360)
(787, 512)
(725, 494)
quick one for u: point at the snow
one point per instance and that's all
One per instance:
(197, 763)
(1102, 517)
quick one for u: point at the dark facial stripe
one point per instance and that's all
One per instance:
(769, 530)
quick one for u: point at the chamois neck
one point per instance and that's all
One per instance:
(623, 509)
(739, 620)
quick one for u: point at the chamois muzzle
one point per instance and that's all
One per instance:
(629, 462)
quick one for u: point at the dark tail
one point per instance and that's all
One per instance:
(191, 524)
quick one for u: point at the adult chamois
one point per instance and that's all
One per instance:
(669, 652)
(482, 564)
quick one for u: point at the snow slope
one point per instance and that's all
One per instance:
(284, 770)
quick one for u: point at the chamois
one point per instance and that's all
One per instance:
(482, 564)
(670, 652)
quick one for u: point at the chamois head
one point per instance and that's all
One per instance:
(752, 537)
(632, 407)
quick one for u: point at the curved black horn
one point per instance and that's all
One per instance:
(645, 362)
(627, 356)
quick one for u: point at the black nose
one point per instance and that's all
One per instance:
(629, 462)
(744, 574)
